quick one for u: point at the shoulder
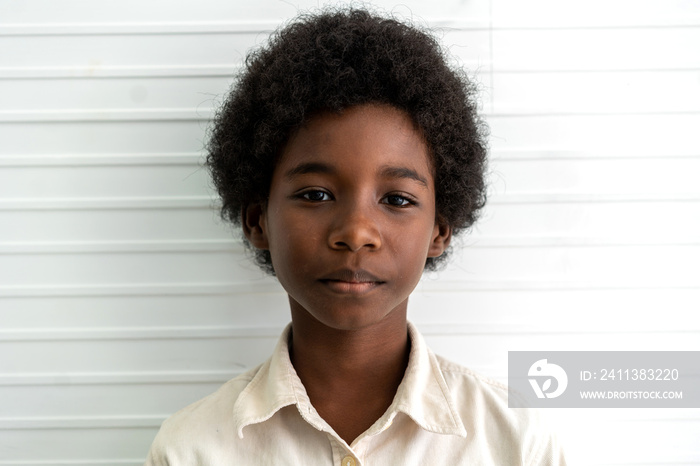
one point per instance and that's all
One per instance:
(186, 436)
(482, 404)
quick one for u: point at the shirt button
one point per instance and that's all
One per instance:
(348, 461)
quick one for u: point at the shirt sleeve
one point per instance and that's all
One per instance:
(157, 455)
(547, 453)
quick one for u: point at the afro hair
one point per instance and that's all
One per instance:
(328, 62)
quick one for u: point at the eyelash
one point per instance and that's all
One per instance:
(406, 200)
(305, 194)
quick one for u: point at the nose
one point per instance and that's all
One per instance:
(355, 228)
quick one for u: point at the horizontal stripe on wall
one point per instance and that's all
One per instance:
(601, 13)
(106, 114)
(504, 13)
(168, 49)
(569, 266)
(189, 333)
(198, 289)
(120, 462)
(196, 94)
(206, 202)
(117, 378)
(35, 72)
(213, 11)
(79, 446)
(484, 352)
(191, 159)
(84, 247)
(600, 49)
(196, 159)
(236, 246)
(141, 289)
(93, 422)
(608, 134)
(625, 222)
(115, 422)
(205, 114)
(596, 92)
(632, 310)
(646, 134)
(191, 27)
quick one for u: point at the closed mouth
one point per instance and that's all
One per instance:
(351, 281)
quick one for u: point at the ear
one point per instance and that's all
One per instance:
(442, 233)
(254, 226)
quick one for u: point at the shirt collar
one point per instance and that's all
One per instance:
(423, 394)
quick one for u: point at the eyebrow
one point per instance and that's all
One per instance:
(385, 172)
(309, 167)
(403, 172)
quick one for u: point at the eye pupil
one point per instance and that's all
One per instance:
(315, 195)
(396, 200)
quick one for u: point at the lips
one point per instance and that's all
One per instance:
(351, 281)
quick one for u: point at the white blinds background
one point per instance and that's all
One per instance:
(123, 298)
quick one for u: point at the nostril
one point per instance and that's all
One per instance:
(354, 238)
(355, 228)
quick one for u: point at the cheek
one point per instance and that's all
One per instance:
(417, 233)
(291, 243)
(412, 245)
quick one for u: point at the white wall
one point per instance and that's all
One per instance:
(123, 298)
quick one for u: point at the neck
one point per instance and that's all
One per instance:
(351, 376)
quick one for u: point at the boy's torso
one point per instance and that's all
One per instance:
(442, 414)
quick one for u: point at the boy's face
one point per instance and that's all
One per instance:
(351, 216)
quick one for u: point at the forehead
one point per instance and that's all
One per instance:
(363, 136)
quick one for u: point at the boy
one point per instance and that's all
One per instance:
(350, 153)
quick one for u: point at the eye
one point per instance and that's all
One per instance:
(398, 200)
(315, 196)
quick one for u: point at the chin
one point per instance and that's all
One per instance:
(351, 318)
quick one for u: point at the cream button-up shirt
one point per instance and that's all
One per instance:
(442, 414)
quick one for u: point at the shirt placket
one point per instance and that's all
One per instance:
(343, 455)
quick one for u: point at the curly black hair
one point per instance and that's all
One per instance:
(331, 61)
